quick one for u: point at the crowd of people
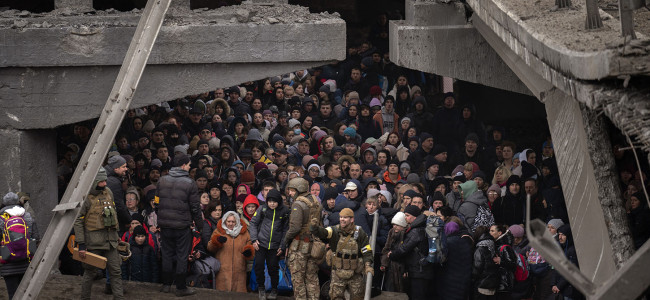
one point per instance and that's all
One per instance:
(212, 187)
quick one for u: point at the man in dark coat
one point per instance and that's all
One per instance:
(115, 170)
(326, 118)
(446, 122)
(412, 251)
(178, 209)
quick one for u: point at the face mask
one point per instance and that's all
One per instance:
(296, 131)
(99, 188)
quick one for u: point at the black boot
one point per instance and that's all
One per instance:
(108, 290)
(185, 292)
(273, 295)
(166, 281)
(181, 289)
(262, 294)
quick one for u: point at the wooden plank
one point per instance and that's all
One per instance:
(91, 259)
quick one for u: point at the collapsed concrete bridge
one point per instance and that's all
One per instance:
(582, 76)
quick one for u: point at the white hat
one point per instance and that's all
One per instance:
(293, 122)
(350, 186)
(399, 219)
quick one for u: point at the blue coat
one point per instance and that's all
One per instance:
(142, 265)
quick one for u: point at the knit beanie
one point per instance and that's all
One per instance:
(330, 193)
(412, 210)
(350, 131)
(556, 223)
(258, 166)
(139, 230)
(10, 198)
(496, 188)
(116, 162)
(516, 230)
(451, 227)
(438, 196)
(137, 217)
(399, 219)
(247, 176)
(413, 178)
(254, 135)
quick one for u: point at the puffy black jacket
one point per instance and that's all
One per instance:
(485, 272)
(456, 278)
(509, 210)
(414, 248)
(365, 220)
(142, 265)
(269, 226)
(179, 200)
(508, 261)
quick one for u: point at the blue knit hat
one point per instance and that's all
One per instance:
(350, 131)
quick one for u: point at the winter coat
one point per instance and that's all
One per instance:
(179, 204)
(508, 261)
(562, 284)
(639, 220)
(114, 183)
(333, 217)
(388, 121)
(269, 226)
(368, 127)
(18, 267)
(445, 127)
(232, 275)
(209, 226)
(142, 265)
(522, 289)
(484, 271)
(454, 201)
(470, 206)
(323, 121)
(394, 269)
(472, 125)
(509, 209)
(414, 248)
(365, 220)
(456, 278)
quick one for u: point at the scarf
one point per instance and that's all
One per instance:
(235, 231)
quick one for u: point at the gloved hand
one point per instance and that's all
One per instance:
(313, 225)
(82, 247)
(247, 253)
(370, 269)
(222, 239)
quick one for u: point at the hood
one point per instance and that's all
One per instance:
(419, 99)
(477, 198)
(566, 230)
(225, 174)
(486, 241)
(178, 172)
(248, 191)
(367, 181)
(420, 221)
(468, 187)
(386, 112)
(472, 110)
(224, 104)
(250, 199)
(222, 231)
(506, 239)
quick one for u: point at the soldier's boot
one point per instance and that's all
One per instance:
(262, 294)
(273, 295)
(108, 290)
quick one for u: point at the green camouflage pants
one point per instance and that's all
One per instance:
(304, 276)
(112, 266)
(355, 287)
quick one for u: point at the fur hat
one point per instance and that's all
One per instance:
(399, 219)
(116, 162)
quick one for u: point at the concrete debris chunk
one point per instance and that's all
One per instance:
(272, 20)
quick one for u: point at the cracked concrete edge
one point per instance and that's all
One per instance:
(434, 13)
(233, 43)
(575, 64)
(429, 48)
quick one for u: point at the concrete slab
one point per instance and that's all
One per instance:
(422, 13)
(246, 33)
(577, 54)
(456, 51)
(51, 97)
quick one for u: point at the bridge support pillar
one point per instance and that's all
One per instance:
(28, 163)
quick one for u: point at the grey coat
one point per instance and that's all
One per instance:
(469, 207)
(269, 226)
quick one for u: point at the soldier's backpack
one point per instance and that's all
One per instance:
(435, 230)
(15, 245)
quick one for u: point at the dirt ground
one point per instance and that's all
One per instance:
(64, 287)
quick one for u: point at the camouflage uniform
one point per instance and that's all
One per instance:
(351, 258)
(96, 231)
(304, 268)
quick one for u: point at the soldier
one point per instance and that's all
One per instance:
(351, 251)
(96, 231)
(303, 266)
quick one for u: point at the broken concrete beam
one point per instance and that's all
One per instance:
(456, 51)
(51, 97)
(423, 13)
(580, 186)
(74, 5)
(29, 163)
(177, 44)
(568, 49)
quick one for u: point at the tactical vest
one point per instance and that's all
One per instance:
(102, 213)
(346, 260)
(315, 210)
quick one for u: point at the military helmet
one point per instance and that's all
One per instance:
(299, 184)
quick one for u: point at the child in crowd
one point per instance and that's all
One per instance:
(143, 264)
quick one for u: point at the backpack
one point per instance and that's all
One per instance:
(15, 244)
(435, 231)
(521, 271)
(483, 217)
